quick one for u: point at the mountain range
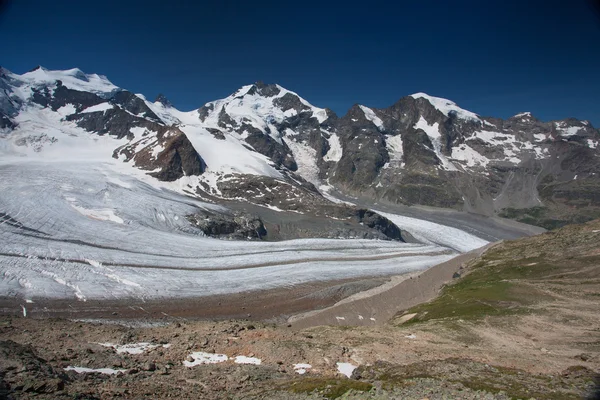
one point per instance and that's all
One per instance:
(266, 146)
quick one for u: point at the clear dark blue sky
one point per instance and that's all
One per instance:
(492, 57)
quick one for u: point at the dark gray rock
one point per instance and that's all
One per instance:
(228, 226)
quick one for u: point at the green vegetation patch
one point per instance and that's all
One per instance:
(492, 288)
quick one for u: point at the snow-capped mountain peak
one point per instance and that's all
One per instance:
(71, 78)
(446, 106)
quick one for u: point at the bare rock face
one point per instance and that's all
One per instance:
(229, 226)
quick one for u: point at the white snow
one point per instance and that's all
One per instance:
(411, 336)
(446, 106)
(570, 131)
(371, 116)
(105, 371)
(306, 159)
(592, 143)
(430, 232)
(335, 149)
(72, 79)
(247, 360)
(132, 348)
(302, 368)
(436, 140)
(230, 155)
(469, 156)
(525, 114)
(67, 110)
(201, 357)
(98, 107)
(156, 253)
(394, 147)
(346, 368)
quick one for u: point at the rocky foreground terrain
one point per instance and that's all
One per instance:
(521, 322)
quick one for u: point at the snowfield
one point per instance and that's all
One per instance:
(89, 231)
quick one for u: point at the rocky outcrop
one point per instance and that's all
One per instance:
(229, 226)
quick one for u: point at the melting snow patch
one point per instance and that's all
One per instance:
(411, 336)
(106, 371)
(346, 368)
(302, 368)
(340, 318)
(201, 357)
(98, 107)
(132, 348)
(247, 360)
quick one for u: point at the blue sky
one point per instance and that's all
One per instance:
(492, 57)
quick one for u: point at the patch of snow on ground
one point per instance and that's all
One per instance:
(592, 144)
(247, 360)
(105, 371)
(302, 368)
(132, 348)
(201, 357)
(346, 368)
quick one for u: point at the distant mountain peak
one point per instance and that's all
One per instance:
(39, 67)
(446, 107)
(524, 115)
(162, 99)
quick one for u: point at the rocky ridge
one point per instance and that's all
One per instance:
(266, 145)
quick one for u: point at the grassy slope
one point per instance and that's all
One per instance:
(515, 277)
